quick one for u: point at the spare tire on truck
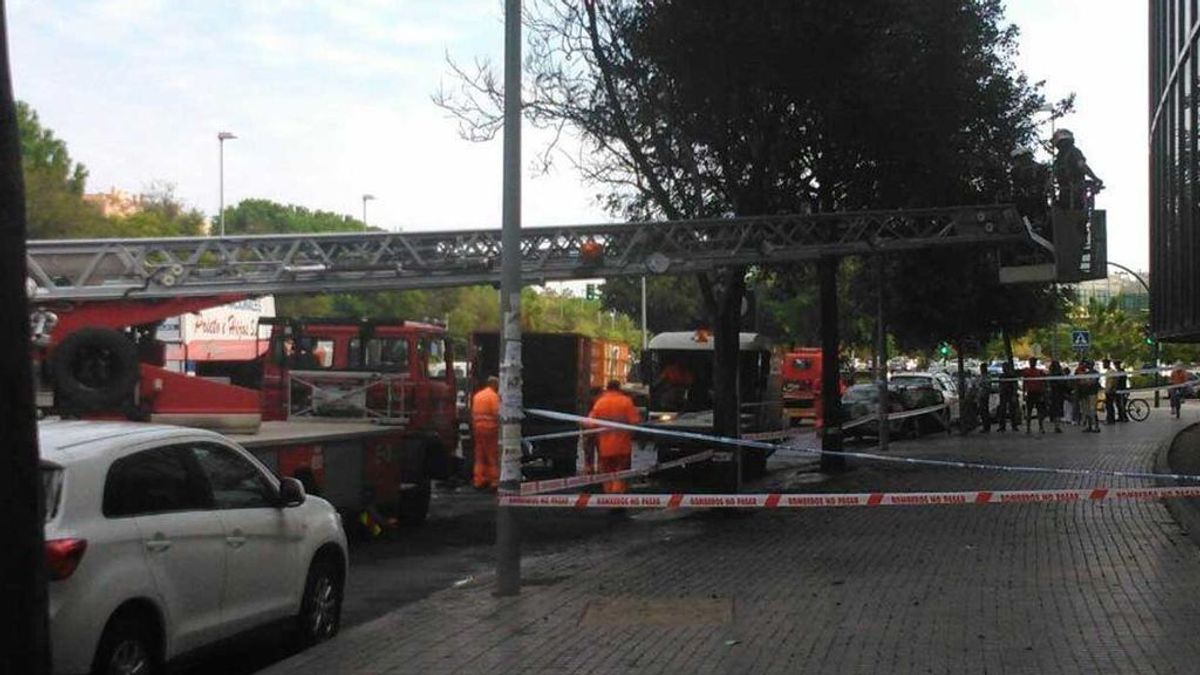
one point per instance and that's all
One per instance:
(94, 369)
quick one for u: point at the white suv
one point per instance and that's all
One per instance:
(162, 540)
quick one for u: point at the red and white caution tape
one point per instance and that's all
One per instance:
(875, 457)
(811, 501)
(539, 486)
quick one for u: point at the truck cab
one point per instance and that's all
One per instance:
(388, 372)
(802, 385)
(679, 369)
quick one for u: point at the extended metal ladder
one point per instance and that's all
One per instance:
(116, 269)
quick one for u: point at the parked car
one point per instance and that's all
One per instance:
(862, 400)
(940, 382)
(161, 541)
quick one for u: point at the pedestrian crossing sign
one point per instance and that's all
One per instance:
(1081, 339)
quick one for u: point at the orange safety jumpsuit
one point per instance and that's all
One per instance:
(485, 426)
(615, 445)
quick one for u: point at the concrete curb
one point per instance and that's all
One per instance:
(1185, 511)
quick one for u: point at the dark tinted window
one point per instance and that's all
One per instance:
(236, 483)
(152, 481)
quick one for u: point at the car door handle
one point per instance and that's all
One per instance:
(236, 540)
(158, 545)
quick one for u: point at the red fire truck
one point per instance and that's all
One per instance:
(363, 412)
(802, 385)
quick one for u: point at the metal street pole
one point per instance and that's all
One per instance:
(881, 374)
(366, 198)
(23, 603)
(645, 331)
(222, 136)
(1157, 353)
(508, 542)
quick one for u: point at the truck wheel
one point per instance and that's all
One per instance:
(754, 464)
(95, 368)
(412, 507)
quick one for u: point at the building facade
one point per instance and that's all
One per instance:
(1174, 181)
(1120, 287)
(115, 203)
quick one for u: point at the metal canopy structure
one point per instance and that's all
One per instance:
(111, 269)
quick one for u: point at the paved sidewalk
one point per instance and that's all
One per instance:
(1029, 588)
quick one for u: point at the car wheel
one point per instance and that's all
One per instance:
(127, 647)
(321, 609)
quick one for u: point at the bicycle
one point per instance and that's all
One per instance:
(1137, 409)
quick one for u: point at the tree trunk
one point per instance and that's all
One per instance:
(1008, 353)
(831, 397)
(726, 339)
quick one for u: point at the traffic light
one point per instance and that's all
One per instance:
(589, 291)
(1148, 334)
(944, 350)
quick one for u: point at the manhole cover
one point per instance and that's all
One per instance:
(657, 611)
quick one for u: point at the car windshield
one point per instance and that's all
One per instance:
(860, 393)
(912, 381)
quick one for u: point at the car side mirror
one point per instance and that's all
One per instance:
(291, 492)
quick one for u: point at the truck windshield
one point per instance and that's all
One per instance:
(388, 355)
(681, 380)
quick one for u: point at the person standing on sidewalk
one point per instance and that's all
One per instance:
(1058, 395)
(1078, 393)
(1035, 396)
(1178, 389)
(1109, 383)
(615, 445)
(485, 428)
(1121, 383)
(983, 399)
(1089, 387)
(1008, 413)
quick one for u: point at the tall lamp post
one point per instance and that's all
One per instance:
(508, 546)
(223, 136)
(366, 198)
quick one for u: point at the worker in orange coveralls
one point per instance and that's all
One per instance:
(615, 445)
(485, 426)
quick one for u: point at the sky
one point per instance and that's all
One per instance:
(331, 99)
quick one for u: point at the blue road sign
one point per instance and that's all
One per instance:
(1081, 340)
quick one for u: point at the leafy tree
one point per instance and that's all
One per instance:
(263, 216)
(672, 302)
(54, 188)
(160, 214)
(690, 108)
(42, 151)
(54, 183)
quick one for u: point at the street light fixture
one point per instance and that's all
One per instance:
(366, 198)
(223, 136)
